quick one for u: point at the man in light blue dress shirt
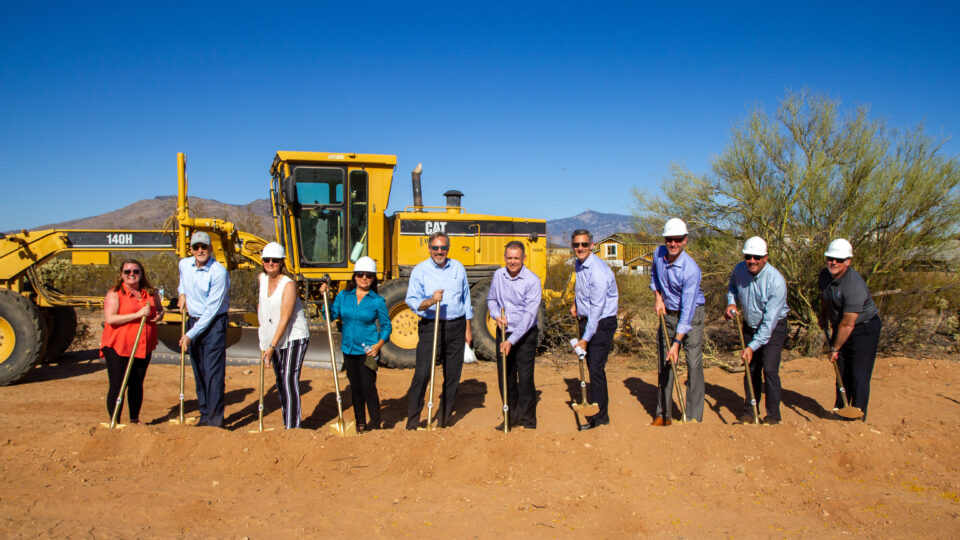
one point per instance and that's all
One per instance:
(762, 293)
(439, 291)
(675, 281)
(204, 287)
(596, 305)
(517, 291)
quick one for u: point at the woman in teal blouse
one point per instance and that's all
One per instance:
(360, 308)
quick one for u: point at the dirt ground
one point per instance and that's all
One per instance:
(896, 475)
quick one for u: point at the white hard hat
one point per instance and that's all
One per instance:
(674, 227)
(839, 249)
(272, 250)
(755, 246)
(365, 264)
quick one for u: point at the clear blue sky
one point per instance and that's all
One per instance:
(531, 109)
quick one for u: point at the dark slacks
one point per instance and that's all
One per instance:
(521, 390)
(598, 348)
(766, 363)
(363, 390)
(856, 360)
(450, 344)
(116, 368)
(208, 355)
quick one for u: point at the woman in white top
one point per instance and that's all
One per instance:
(284, 333)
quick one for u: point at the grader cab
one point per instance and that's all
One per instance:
(328, 210)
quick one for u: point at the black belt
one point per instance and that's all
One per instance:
(428, 320)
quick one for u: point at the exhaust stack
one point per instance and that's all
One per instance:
(415, 178)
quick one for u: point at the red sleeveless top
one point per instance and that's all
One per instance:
(121, 337)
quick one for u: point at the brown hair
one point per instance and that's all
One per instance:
(144, 282)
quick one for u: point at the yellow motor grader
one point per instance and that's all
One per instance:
(329, 209)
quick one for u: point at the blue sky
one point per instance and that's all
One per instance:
(531, 109)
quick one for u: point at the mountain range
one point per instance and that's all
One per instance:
(256, 218)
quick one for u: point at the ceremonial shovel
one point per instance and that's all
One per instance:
(581, 356)
(341, 427)
(183, 331)
(260, 407)
(126, 378)
(746, 372)
(673, 366)
(848, 411)
(503, 366)
(433, 370)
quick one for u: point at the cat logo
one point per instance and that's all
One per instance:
(431, 227)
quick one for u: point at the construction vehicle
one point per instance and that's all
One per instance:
(329, 209)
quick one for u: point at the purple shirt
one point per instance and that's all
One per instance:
(519, 297)
(679, 285)
(596, 292)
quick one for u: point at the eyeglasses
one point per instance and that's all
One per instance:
(753, 257)
(440, 248)
(575, 245)
(836, 260)
(368, 275)
(198, 247)
(272, 260)
(674, 239)
(131, 271)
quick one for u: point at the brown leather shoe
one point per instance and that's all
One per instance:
(660, 422)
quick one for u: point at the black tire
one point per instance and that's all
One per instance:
(401, 350)
(483, 327)
(21, 336)
(61, 329)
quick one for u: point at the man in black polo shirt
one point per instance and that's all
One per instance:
(846, 304)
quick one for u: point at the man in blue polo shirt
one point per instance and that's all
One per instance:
(762, 293)
(439, 291)
(675, 281)
(204, 288)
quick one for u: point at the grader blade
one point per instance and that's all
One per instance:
(243, 347)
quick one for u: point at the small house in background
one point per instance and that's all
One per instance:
(630, 252)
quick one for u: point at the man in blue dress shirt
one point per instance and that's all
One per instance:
(204, 287)
(517, 291)
(675, 281)
(439, 291)
(595, 308)
(762, 293)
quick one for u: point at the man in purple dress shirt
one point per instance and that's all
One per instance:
(595, 308)
(675, 281)
(517, 291)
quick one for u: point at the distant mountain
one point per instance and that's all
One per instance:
(598, 223)
(254, 217)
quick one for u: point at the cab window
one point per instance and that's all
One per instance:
(320, 194)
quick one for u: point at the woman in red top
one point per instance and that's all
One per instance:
(130, 299)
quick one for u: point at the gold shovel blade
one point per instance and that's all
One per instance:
(259, 431)
(344, 429)
(850, 412)
(107, 425)
(187, 420)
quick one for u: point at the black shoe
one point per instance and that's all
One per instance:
(592, 424)
(770, 421)
(361, 427)
(745, 418)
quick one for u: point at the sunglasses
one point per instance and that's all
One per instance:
(575, 245)
(673, 239)
(753, 257)
(835, 260)
(440, 248)
(198, 247)
(368, 275)
(131, 272)
(272, 260)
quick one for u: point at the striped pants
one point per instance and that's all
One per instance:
(286, 366)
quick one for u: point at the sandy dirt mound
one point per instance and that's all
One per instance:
(896, 475)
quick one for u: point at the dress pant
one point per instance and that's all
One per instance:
(208, 354)
(116, 368)
(856, 359)
(766, 363)
(598, 348)
(521, 390)
(287, 363)
(692, 346)
(363, 390)
(450, 344)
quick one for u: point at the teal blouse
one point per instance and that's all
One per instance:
(359, 320)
